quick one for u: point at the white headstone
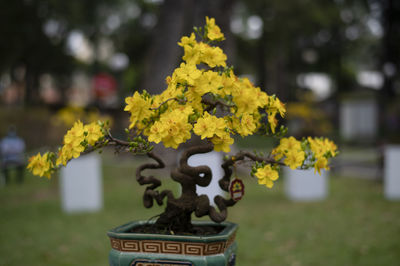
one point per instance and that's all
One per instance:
(81, 184)
(358, 119)
(392, 172)
(214, 161)
(305, 185)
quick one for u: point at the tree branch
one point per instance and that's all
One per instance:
(150, 194)
(213, 104)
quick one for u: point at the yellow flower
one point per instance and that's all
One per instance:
(321, 163)
(245, 126)
(322, 147)
(64, 155)
(209, 125)
(212, 56)
(244, 96)
(41, 165)
(94, 133)
(266, 175)
(75, 135)
(286, 145)
(188, 41)
(192, 53)
(330, 146)
(230, 83)
(139, 108)
(273, 122)
(222, 142)
(172, 128)
(209, 81)
(213, 31)
(157, 132)
(274, 107)
(187, 73)
(294, 159)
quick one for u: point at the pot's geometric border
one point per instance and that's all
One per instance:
(171, 247)
(144, 262)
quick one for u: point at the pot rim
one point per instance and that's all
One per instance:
(120, 232)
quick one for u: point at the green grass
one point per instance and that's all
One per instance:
(353, 226)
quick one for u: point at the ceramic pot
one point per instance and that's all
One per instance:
(139, 249)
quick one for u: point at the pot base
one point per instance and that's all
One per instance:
(129, 249)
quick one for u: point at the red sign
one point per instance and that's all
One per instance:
(236, 189)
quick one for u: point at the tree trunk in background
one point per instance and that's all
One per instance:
(177, 18)
(164, 52)
(390, 56)
(390, 43)
(31, 86)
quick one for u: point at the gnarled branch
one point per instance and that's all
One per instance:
(150, 192)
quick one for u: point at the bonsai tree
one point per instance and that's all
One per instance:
(203, 98)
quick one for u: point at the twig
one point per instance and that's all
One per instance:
(167, 100)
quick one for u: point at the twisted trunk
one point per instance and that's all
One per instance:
(178, 212)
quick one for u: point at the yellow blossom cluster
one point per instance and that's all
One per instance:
(312, 152)
(203, 97)
(172, 128)
(41, 165)
(202, 80)
(322, 149)
(75, 142)
(76, 139)
(291, 149)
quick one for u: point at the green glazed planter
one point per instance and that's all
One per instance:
(138, 249)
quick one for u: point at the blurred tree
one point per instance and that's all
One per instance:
(390, 55)
(388, 11)
(176, 18)
(25, 44)
(34, 35)
(302, 36)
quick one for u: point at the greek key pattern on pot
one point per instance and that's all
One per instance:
(171, 247)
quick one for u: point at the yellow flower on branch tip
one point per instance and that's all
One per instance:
(212, 56)
(41, 165)
(330, 146)
(291, 149)
(213, 31)
(287, 145)
(321, 146)
(266, 175)
(190, 41)
(192, 54)
(275, 105)
(321, 163)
